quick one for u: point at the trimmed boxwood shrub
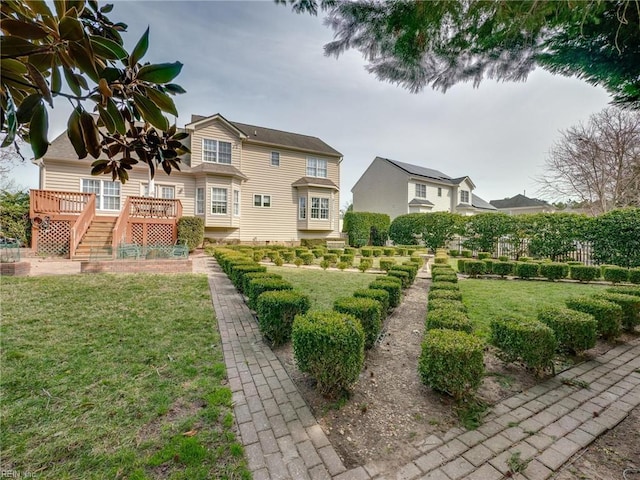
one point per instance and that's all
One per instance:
(454, 253)
(387, 263)
(417, 259)
(583, 273)
(503, 258)
(247, 277)
(318, 252)
(368, 311)
(238, 271)
(451, 319)
(258, 255)
(445, 304)
(527, 269)
(466, 253)
(389, 252)
(336, 251)
(473, 268)
(324, 264)
(412, 270)
(329, 346)
(483, 255)
(405, 277)
(461, 262)
(627, 290)
(300, 251)
(630, 308)
(446, 294)
(529, 341)
(258, 285)
(451, 362)
(365, 227)
(443, 286)
(440, 260)
(191, 232)
(554, 270)
(377, 252)
(503, 268)
(608, 315)
(350, 251)
(287, 255)
(365, 264)
(276, 311)
(634, 275)
(615, 274)
(307, 258)
(575, 331)
(447, 277)
(330, 257)
(488, 265)
(366, 252)
(381, 296)
(348, 259)
(401, 251)
(394, 289)
(342, 266)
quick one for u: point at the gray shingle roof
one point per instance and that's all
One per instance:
(315, 181)
(421, 201)
(478, 202)
(218, 169)
(420, 171)
(519, 201)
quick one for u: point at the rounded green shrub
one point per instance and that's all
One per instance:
(527, 269)
(330, 257)
(389, 252)
(247, 277)
(329, 346)
(440, 260)
(381, 296)
(445, 304)
(276, 311)
(528, 341)
(615, 274)
(451, 319)
(300, 251)
(238, 272)
(348, 259)
(503, 258)
(365, 264)
(258, 255)
(634, 276)
(366, 252)
(575, 331)
(287, 256)
(503, 268)
(412, 270)
(368, 311)
(454, 253)
(626, 290)
(401, 251)
(466, 253)
(451, 362)
(298, 261)
(474, 268)
(583, 273)
(387, 263)
(443, 286)
(446, 294)
(307, 258)
(488, 265)
(190, 232)
(342, 266)
(403, 276)
(554, 270)
(608, 315)
(630, 307)
(324, 264)
(450, 277)
(350, 251)
(484, 255)
(318, 252)
(377, 252)
(461, 262)
(256, 286)
(394, 289)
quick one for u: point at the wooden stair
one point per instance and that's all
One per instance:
(96, 243)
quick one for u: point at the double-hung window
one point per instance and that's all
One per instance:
(320, 208)
(464, 196)
(421, 190)
(275, 159)
(236, 203)
(439, 191)
(107, 193)
(262, 200)
(316, 167)
(200, 201)
(302, 208)
(216, 151)
(219, 201)
(161, 191)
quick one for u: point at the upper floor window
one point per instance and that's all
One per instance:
(421, 190)
(262, 200)
(316, 167)
(464, 196)
(439, 191)
(216, 151)
(320, 208)
(107, 193)
(219, 201)
(275, 159)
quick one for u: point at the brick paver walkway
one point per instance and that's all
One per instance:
(546, 425)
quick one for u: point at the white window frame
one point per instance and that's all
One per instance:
(262, 201)
(302, 208)
(101, 194)
(275, 159)
(236, 202)
(317, 167)
(319, 208)
(421, 190)
(219, 203)
(211, 151)
(144, 187)
(200, 201)
(463, 194)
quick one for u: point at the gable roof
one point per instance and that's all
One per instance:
(270, 136)
(425, 172)
(519, 201)
(478, 202)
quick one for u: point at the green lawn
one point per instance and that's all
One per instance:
(487, 299)
(114, 377)
(324, 286)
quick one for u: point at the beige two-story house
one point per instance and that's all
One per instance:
(521, 204)
(248, 183)
(397, 188)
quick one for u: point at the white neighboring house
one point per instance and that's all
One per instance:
(397, 188)
(519, 204)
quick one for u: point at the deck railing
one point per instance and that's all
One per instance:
(120, 228)
(58, 202)
(82, 224)
(149, 207)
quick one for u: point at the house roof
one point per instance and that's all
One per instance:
(218, 169)
(425, 172)
(421, 201)
(314, 182)
(255, 133)
(478, 202)
(519, 201)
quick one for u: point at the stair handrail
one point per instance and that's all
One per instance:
(120, 228)
(82, 224)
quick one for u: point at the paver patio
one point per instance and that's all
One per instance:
(546, 424)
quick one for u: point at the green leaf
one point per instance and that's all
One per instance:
(159, 73)
(150, 112)
(38, 128)
(111, 74)
(42, 84)
(56, 80)
(116, 116)
(107, 48)
(140, 49)
(22, 29)
(25, 110)
(162, 100)
(40, 7)
(90, 134)
(107, 8)
(70, 29)
(61, 7)
(74, 132)
(72, 81)
(174, 88)
(16, 47)
(12, 124)
(84, 61)
(180, 136)
(11, 65)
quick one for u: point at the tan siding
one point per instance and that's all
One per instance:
(215, 131)
(383, 188)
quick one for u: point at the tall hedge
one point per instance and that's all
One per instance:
(483, 231)
(366, 228)
(434, 229)
(191, 232)
(615, 237)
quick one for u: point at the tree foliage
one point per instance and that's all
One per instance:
(483, 231)
(598, 162)
(554, 235)
(78, 49)
(434, 229)
(615, 237)
(14, 216)
(365, 228)
(442, 42)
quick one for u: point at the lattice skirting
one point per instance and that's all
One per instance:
(54, 240)
(159, 233)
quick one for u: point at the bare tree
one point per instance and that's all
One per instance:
(597, 163)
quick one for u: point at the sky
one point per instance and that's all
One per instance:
(258, 63)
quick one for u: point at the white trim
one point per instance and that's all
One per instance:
(262, 202)
(226, 202)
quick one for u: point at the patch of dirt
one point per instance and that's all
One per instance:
(179, 411)
(616, 454)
